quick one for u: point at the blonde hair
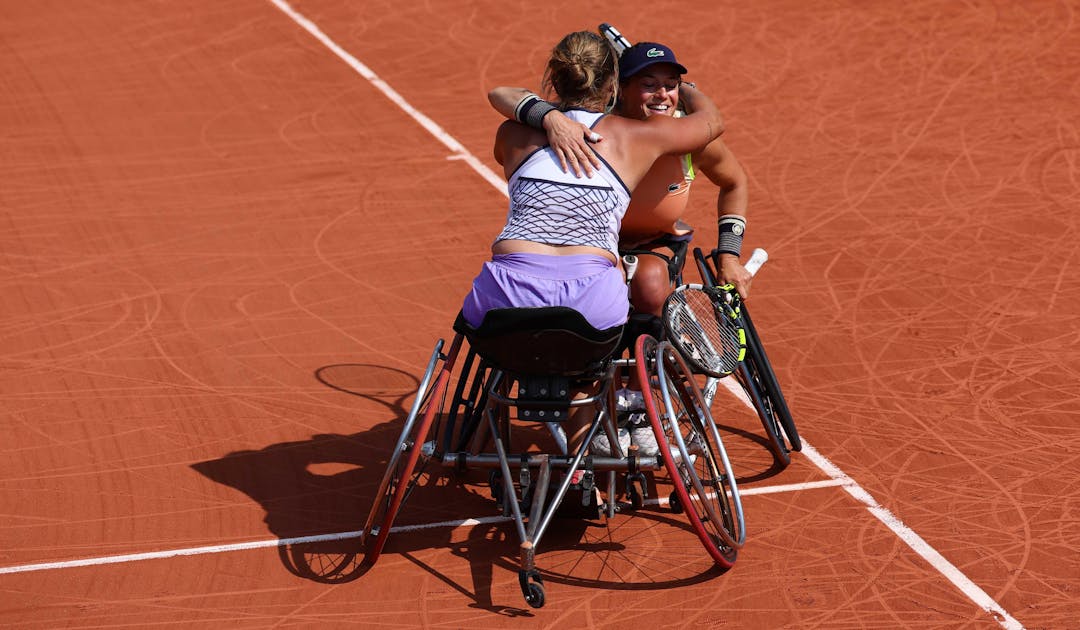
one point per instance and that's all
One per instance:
(582, 71)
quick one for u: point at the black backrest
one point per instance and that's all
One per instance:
(549, 340)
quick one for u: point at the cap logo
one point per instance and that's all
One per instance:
(652, 52)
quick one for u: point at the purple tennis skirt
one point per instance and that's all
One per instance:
(589, 284)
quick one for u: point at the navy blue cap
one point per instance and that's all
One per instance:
(644, 54)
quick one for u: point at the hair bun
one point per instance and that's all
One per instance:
(581, 68)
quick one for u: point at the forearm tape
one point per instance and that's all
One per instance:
(531, 111)
(731, 229)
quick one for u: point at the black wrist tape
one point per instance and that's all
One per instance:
(731, 229)
(531, 111)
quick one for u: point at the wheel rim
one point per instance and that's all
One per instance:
(707, 473)
(649, 362)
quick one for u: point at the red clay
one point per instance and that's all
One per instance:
(225, 257)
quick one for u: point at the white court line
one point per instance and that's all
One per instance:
(791, 487)
(283, 542)
(459, 151)
(905, 533)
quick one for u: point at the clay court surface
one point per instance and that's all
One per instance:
(225, 255)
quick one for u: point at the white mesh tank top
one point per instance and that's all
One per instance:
(556, 208)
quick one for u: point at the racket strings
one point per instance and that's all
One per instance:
(708, 337)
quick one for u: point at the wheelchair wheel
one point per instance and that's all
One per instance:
(704, 485)
(749, 377)
(769, 386)
(758, 381)
(757, 378)
(408, 460)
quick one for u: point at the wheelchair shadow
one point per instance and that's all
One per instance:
(317, 492)
(585, 553)
(618, 567)
(775, 465)
(573, 546)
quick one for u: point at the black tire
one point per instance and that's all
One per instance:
(749, 378)
(759, 380)
(532, 587)
(770, 385)
(535, 596)
(466, 410)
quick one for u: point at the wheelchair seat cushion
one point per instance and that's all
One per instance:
(554, 340)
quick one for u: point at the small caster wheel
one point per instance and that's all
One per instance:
(535, 597)
(675, 504)
(636, 490)
(532, 587)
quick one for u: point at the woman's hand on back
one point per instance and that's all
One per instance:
(570, 141)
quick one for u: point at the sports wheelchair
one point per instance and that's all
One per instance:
(755, 373)
(524, 366)
(711, 327)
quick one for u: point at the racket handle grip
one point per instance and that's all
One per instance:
(757, 259)
(629, 262)
(615, 37)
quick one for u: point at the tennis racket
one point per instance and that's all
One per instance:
(704, 324)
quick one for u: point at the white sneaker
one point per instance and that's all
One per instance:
(629, 400)
(601, 447)
(642, 436)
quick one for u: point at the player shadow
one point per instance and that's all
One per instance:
(316, 493)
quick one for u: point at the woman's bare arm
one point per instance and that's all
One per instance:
(566, 137)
